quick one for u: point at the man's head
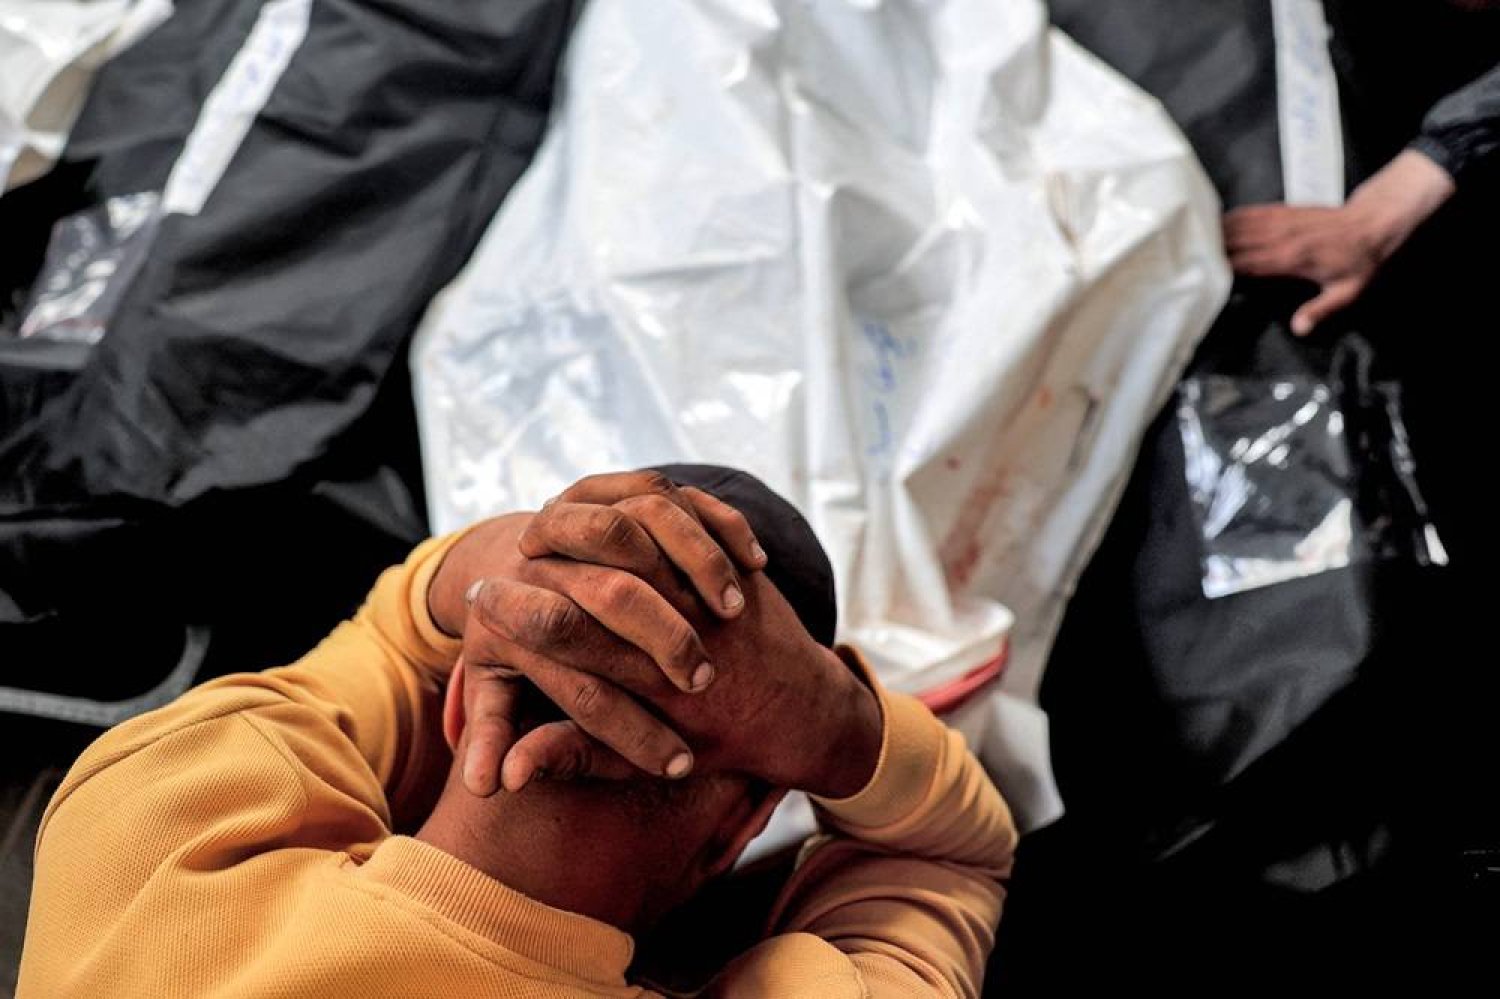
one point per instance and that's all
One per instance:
(628, 851)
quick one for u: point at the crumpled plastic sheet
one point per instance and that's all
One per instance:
(925, 268)
(49, 51)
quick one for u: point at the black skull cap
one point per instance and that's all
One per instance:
(795, 560)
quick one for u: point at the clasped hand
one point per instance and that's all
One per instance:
(640, 610)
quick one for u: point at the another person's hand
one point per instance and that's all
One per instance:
(1339, 249)
(619, 531)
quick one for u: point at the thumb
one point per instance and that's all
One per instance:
(490, 707)
(562, 751)
(1335, 296)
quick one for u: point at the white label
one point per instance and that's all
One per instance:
(1307, 94)
(231, 107)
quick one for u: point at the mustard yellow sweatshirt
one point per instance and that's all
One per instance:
(239, 843)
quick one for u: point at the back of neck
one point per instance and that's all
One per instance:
(551, 848)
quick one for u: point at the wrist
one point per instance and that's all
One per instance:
(445, 602)
(486, 549)
(1397, 199)
(849, 752)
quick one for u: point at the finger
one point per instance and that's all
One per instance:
(1334, 297)
(688, 546)
(593, 533)
(511, 621)
(599, 706)
(613, 717)
(612, 487)
(629, 608)
(1240, 240)
(562, 751)
(491, 726)
(1254, 223)
(1281, 261)
(729, 526)
(691, 549)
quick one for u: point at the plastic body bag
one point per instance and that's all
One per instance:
(925, 268)
(48, 54)
(324, 169)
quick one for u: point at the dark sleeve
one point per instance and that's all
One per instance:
(1462, 131)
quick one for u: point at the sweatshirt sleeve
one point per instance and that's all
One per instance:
(370, 694)
(1461, 133)
(242, 789)
(379, 679)
(907, 881)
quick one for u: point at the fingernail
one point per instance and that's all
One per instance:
(679, 765)
(474, 772)
(702, 676)
(733, 598)
(472, 593)
(758, 553)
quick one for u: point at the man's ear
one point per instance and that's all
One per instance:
(740, 826)
(453, 706)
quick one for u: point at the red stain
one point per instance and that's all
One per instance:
(961, 569)
(1043, 397)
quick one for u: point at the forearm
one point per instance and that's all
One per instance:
(1399, 198)
(465, 561)
(929, 797)
(909, 882)
(841, 756)
(380, 675)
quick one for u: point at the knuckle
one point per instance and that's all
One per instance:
(715, 561)
(546, 621)
(737, 522)
(587, 699)
(540, 524)
(620, 593)
(683, 649)
(584, 487)
(656, 482)
(614, 529)
(631, 506)
(642, 744)
(656, 505)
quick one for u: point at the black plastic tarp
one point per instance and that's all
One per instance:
(236, 457)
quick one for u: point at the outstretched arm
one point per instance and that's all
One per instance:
(1339, 249)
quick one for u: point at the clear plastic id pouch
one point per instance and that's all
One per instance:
(1293, 476)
